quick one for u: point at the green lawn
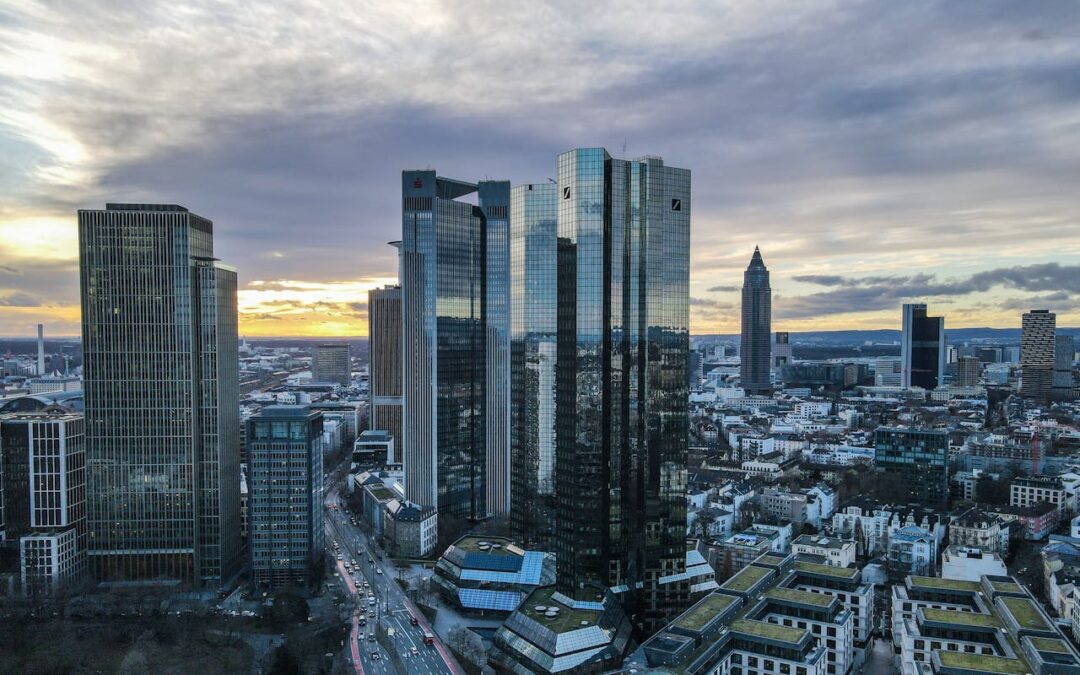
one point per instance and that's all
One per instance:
(980, 663)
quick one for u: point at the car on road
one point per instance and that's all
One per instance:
(375, 656)
(362, 621)
(371, 614)
(371, 638)
(414, 621)
(339, 557)
(414, 651)
(378, 570)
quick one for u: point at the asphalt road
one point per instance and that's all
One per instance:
(392, 609)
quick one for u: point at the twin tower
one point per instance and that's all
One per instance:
(545, 343)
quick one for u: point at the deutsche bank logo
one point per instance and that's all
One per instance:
(566, 193)
(676, 205)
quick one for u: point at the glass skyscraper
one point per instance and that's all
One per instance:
(285, 488)
(1037, 346)
(384, 364)
(456, 408)
(160, 370)
(922, 348)
(533, 348)
(622, 341)
(755, 349)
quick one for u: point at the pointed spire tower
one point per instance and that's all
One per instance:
(755, 346)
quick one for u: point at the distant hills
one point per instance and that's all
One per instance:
(887, 336)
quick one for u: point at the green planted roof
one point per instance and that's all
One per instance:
(700, 614)
(937, 583)
(981, 663)
(826, 570)
(769, 631)
(1025, 613)
(746, 579)
(961, 618)
(1052, 645)
(1005, 586)
(795, 595)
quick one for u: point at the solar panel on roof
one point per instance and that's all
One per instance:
(496, 563)
(473, 598)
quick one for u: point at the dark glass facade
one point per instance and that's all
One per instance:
(161, 394)
(917, 462)
(922, 348)
(446, 340)
(285, 484)
(533, 340)
(621, 384)
(755, 349)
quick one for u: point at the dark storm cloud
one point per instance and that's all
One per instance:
(723, 289)
(20, 299)
(876, 293)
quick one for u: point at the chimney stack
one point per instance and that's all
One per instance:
(41, 350)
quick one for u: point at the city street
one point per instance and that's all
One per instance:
(392, 610)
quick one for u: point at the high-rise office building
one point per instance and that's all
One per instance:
(1064, 354)
(916, 462)
(160, 372)
(385, 362)
(968, 370)
(755, 347)
(494, 200)
(330, 364)
(43, 469)
(781, 354)
(534, 307)
(448, 341)
(285, 483)
(922, 348)
(621, 385)
(1037, 347)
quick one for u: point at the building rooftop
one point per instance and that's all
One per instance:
(747, 578)
(695, 618)
(981, 663)
(800, 597)
(1025, 613)
(938, 583)
(769, 631)
(961, 618)
(826, 570)
(566, 618)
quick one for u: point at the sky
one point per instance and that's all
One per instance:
(879, 152)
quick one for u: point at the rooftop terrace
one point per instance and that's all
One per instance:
(565, 620)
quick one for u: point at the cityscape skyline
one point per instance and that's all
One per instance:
(880, 191)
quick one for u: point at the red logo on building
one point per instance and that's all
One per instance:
(418, 183)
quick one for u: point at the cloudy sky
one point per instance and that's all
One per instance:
(879, 152)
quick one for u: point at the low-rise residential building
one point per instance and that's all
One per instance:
(831, 551)
(990, 626)
(760, 622)
(410, 531)
(1035, 522)
(1030, 490)
(975, 528)
(970, 564)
